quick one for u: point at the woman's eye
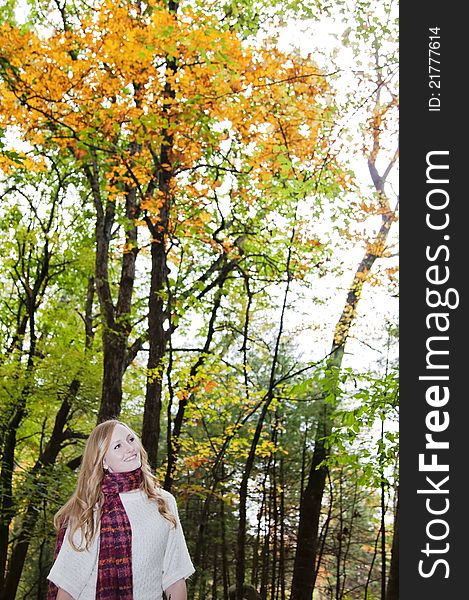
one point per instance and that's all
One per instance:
(131, 439)
(116, 446)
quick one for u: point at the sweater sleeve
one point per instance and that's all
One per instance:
(177, 563)
(73, 570)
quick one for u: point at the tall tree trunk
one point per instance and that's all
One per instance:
(310, 511)
(263, 589)
(116, 318)
(32, 300)
(224, 551)
(383, 528)
(339, 557)
(114, 349)
(203, 525)
(118, 324)
(156, 310)
(311, 501)
(274, 508)
(6, 485)
(323, 533)
(157, 345)
(215, 572)
(261, 514)
(282, 557)
(60, 433)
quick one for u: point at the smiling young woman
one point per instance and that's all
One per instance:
(119, 535)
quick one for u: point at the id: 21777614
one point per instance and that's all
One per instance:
(434, 82)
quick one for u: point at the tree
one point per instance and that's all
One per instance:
(381, 101)
(36, 278)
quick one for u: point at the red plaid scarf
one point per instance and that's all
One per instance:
(115, 540)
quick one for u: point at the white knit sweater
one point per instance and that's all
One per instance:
(159, 553)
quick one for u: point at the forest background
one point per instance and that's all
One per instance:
(199, 236)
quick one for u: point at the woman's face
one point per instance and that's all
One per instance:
(123, 454)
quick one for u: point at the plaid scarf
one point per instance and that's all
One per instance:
(115, 540)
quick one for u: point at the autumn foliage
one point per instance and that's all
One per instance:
(141, 92)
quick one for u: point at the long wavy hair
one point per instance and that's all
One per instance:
(83, 510)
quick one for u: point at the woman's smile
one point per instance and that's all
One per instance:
(132, 457)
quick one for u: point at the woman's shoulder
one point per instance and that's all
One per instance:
(141, 495)
(166, 495)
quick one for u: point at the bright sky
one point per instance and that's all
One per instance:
(376, 305)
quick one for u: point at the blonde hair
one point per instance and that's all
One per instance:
(83, 510)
